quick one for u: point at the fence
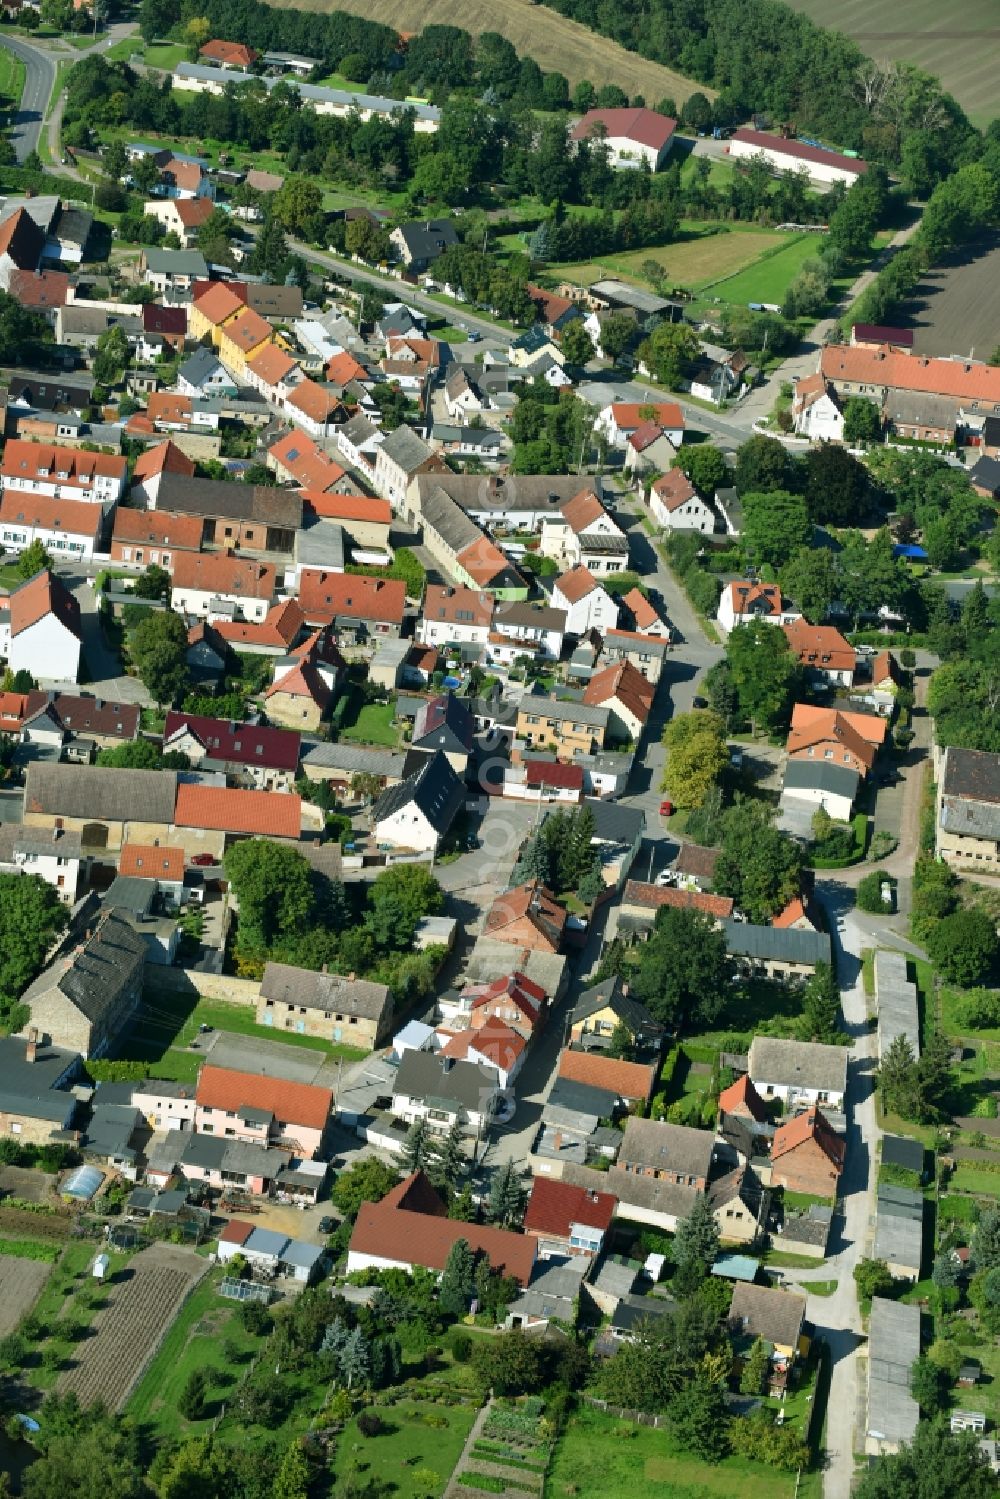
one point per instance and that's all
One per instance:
(638, 1418)
(222, 987)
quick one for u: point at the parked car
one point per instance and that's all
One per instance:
(327, 1225)
(666, 809)
(701, 702)
(664, 878)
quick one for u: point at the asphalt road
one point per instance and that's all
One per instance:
(39, 81)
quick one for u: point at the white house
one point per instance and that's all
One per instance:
(618, 420)
(215, 586)
(42, 468)
(676, 505)
(824, 167)
(587, 604)
(443, 1089)
(634, 137)
(397, 459)
(742, 602)
(583, 534)
(66, 528)
(526, 621)
(416, 813)
(41, 632)
(462, 398)
(53, 856)
(800, 1073)
(455, 616)
(816, 413)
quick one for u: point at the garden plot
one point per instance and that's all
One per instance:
(20, 1283)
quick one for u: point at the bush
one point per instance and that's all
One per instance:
(869, 892)
(370, 1424)
(256, 1318)
(461, 1347)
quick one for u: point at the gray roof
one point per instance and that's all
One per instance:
(94, 975)
(806, 1064)
(613, 995)
(111, 1128)
(900, 1150)
(98, 794)
(580, 1099)
(407, 449)
(423, 1075)
(265, 1241)
(329, 992)
(508, 492)
(528, 612)
(205, 1151)
(811, 1227)
(16, 837)
(354, 757)
(763, 1312)
(617, 643)
(613, 822)
(643, 1192)
(667, 1147)
(30, 1088)
(775, 944)
(75, 319)
(893, 1346)
(900, 1202)
(970, 793)
(230, 500)
(321, 543)
(819, 775)
(426, 238)
(313, 93)
(202, 364)
(435, 790)
(131, 893)
(896, 1001)
(359, 430)
(441, 513)
(550, 707)
(297, 1252)
(177, 263)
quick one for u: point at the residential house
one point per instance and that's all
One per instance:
(899, 1230)
(314, 408)
(359, 607)
(742, 1101)
(619, 419)
(418, 244)
(240, 338)
(101, 722)
(512, 502)
(181, 216)
(262, 1110)
(569, 728)
(648, 450)
(641, 901)
(163, 328)
(365, 520)
(627, 695)
(444, 1091)
(695, 866)
(536, 624)
(172, 273)
(273, 371)
(886, 680)
(588, 605)
(456, 542)
(217, 586)
(214, 302)
(203, 375)
(810, 784)
(163, 457)
(455, 616)
(816, 412)
(43, 292)
(300, 696)
(255, 755)
(251, 517)
(800, 1073)
(277, 635)
(462, 397)
(91, 991)
(410, 1227)
(739, 1204)
(636, 137)
(646, 620)
(151, 861)
(583, 534)
(21, 246)
(807, 1155)
(676, 505)
(527, 916)
(838, 737)
(822, 651)
(153, 538)
(967, 827)
(444, 723)
(54, 857)
(398, 459)
(631, 1081)
(417, 813)
(645, 652)
(494, 1044)
(513, 999)
(235, 56)
(533, 346)
(893, 1349)
(774, 1316)
(772, 952)
(607, 1007)
(567, 1220)
(66, 528)
(667, 1152)
(953, 389)
(40, 629)
(61, 473)
(106, 807)
(213, 815)
(325, 1005)
(741, 603)
(36, 1103)
(297, 459)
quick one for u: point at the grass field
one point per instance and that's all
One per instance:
(600, 1455)
(418, 1435)
(769, 279)
(11, 80)
(373, 725)
(962, 48)
(555, 42)
(696, 261)
(970, 1177)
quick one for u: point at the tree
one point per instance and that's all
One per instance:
(34, 559)
(617, 334)
(509, 1364)
(31, 916)
(270, 253)
(576, 343)
(758, 865)
(838, 487)
(273, 887)
(763, 464)
(354, 1359)
(297, 203)
(862, 420)
(457, 1280)
(811, 577)
(764, 672)
(448, 1162)
(705, 466)
(776, 525)
(699, 1420)
(191, 1402)
(508, 1197)
(667, 350)
(417, 1145)
(868, 896)
(984, 1249)
(293, 1477)
(696, 1246)
(963, 945)
(398, 899)
(821, 1007)
(872, 1278)
(897, 1079)
(697, 755)
(936, 1465)
(684, 972)
(621, 1045)
(158, 648)
(112, 356)
(756, 1367)
(926, 1386)
(142, 754)
(154, 583)
(88, 1454)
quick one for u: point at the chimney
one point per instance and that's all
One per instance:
(31, 1045)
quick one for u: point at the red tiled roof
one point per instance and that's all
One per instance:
(230, 54)
(21, 240)
(644, 126)
(217, 302)
(554, 773)
(39, 289)
(820, 646)
(68, 517)
(643, 437)
(641, 609)
(446, 603)
(533, 902)
(793, 912)
(674, 489)
(162, 528)
(271, 364)
(290, 1103)
(218, 574)
(308, 465)
(526, 995)
(576, 584)
(627, 1079)
(317, 402)
(799, 151)
(280, 627)
(169, 406)
(638, 893)
(193, 212)
(302, 680)
(554, 1206)
(879, 368)
(406, 1227)
(743, 1094)
(326, 596)
(43, 595)
(348, 507)
(264, 814)
(484, 561)
(630, 415)
(745, 594)
(253, 744)
(235, 1232)
(157, 319)
(885, 669)
(186, 174)
(550, 306)
(247, 330)
(30, 460)
(810, 1125)
(163, 457)
(152, 861)
(622, 683)
(343, 368)
(498, 1043)
(582, 510)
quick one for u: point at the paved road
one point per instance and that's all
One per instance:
(39, 81)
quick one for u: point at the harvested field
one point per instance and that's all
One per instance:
(956, 308)
(20, 1283)
(694, 262)
(21, 1223)
(556, 43)
(142, 1301)
(961, 47)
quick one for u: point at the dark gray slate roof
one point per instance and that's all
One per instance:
(329, 992)
(30, 1087)
(610, 995)
(436, 791)
(775, 944)
(231, 500)
(900, 1150)
(94, 975)
(818, 775)
(95, 793)
(423, 1075)
(581, 1098)
(406, 448)
(614, 823)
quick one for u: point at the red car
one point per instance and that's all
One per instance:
(666, 809)
(204, 861)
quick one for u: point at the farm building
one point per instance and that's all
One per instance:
(632, 136)
(824, 167)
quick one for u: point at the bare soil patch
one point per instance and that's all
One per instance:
(20, 1284)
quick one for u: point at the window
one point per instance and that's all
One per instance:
(208, 1129)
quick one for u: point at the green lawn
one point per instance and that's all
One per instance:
(953, 1209)
(165, 55)
(971, 1177)
(769, 278)
(952, 1002)
(419, 1435)
(373, 725)
(802, 1201)
(820, 1287)
(599, 1455)
(791, 1261)
(11, 79)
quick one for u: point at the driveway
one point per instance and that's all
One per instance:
(105, 677)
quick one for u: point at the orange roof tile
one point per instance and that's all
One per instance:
(623, 684)
(638, 893)
(326, 596)
(302, 680)
(164, 528)
(43, 594)
(280, 627)
(641, 609)
(674, 490)
(308, 465)
(163, 457)
(819, 646)
(533, 902)
(264, 814)
(811, 1125)
(582, 510)
(33, 460)
(152, 861)
(554, 1206)
(216, 573)
(743, 1094)
(247, 330)
(290, 1103)
(884, 367)
(217, 303)
(343, 368)
(627, 1079)
(317, 402)
(271, 364)
(348, 507)
(64, 517)
(169, 406)
(630, 415)
(576, 584)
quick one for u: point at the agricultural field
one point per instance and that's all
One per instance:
(139, 1305)
(736, 265)
(956, 308)
(555, 42)
(20, 1284)
(962, 48)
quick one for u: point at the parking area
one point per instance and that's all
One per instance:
(296, 1064)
